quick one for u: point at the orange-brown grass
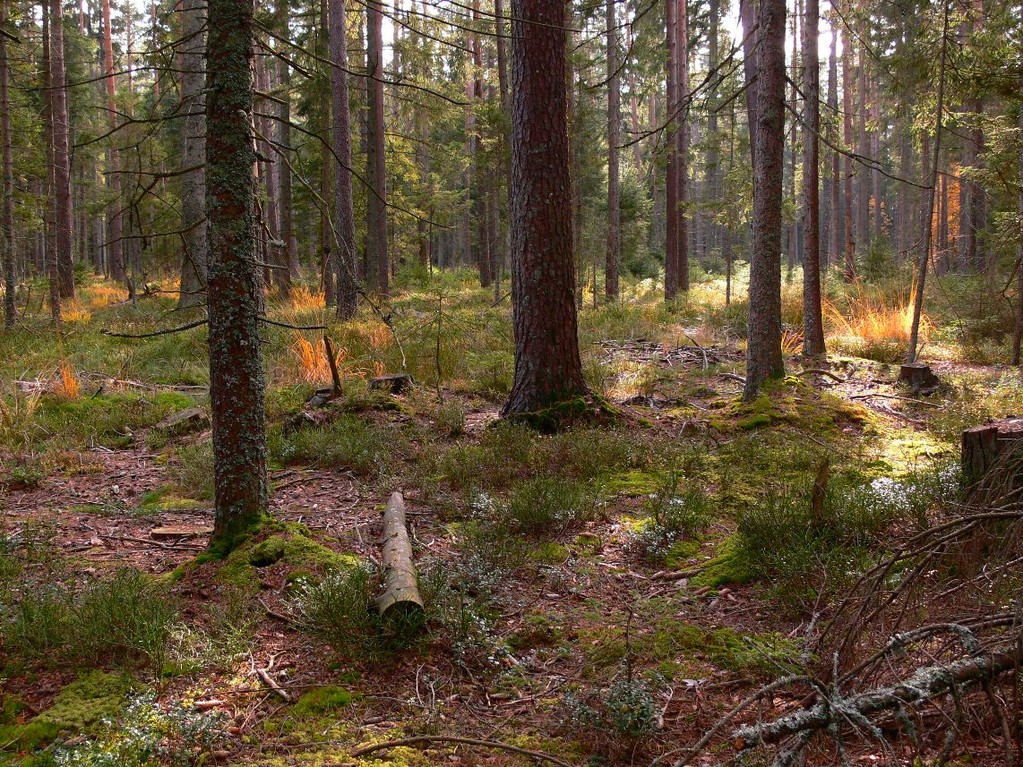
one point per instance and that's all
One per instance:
(102, 294)
(875, 317)
(304, 299)
(791, 342)
(74, 311)
(312, 359)
(67, 386)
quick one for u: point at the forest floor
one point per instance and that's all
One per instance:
(605, 595)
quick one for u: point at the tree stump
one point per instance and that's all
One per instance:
(918, 376)
(987, 450)
(395, 384)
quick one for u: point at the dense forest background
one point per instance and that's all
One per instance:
(395, 383)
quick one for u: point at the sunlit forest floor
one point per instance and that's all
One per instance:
(603, 595)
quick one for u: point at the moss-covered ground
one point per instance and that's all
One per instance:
(597, 588)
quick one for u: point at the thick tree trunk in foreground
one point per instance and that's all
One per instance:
(344, 211)
(193, 156)
(547, 363)
(763, 352)
(236, 371)
(813, 322)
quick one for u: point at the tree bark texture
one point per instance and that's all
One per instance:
(813, 322)
(344, 212)
(376, 236)
(236, 371)
(614, 138)
(193, 155)
(63, 215)
(763, 352)
(115, 221)
(547, 362)
(7, 211)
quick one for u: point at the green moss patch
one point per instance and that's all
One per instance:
(726, 567)
(322, 700)
(83, 705)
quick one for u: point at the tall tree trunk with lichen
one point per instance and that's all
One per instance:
(115, 220)
(234, 294)
(548, 367)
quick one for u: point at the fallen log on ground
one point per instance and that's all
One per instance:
(923, 685)
(400, 605)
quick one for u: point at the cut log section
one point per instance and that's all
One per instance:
(400, 606)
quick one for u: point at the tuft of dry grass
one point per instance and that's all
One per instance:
(74, 311)
(875, 317)
(791, 342)
(67, 386)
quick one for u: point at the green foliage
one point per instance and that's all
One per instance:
(337, 609)
(347, 441)
(624, 710)
(674, 516)
(123, 617)
(546, 504)
(192, 471)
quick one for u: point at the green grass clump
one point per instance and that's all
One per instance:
(347, 441)
(337, 609)
(192, 472)
(547, 504)
(675, 515)
(123, 617)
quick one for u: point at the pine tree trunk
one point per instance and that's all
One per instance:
(548, 367)
(376, 236)
(614, 123)
(813, 322)
(115, 222)
(49, 219)
(193, 155)
(341, 137)
(837, 214)
(863, 149)
(763, 352)
(849, 270)
(236, 371)
(7, 210)
(63, 214)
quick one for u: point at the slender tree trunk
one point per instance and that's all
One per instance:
(49, 219)
(376, 235)
(671, 169)
(290, 260)
(813, 322)
(712, 190)
(1017, 336)
(614, 138)
(763, 352)
(344, 210)
(115, 222)
(236, 370)
(863, 149)
(925, 250)
(849, 271)
(193, 155)
(328, 260)
(751, 34)
(7, 213)
(837, 214)
(63, 214)
(548, 367)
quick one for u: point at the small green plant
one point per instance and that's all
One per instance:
(193, 471)
(624, 710)
(675, 515)
(336, 608)
(547, 504)
(450, 418)
(25, 475)
(347, 441)
(122, 617)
